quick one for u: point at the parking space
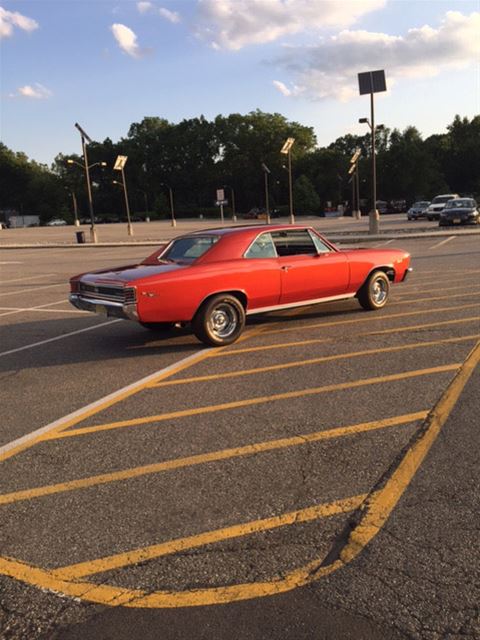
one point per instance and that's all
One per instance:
(190, 476)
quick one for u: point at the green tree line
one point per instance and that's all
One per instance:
(196, 157)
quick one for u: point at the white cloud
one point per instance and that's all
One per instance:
(126, 40)
(171, 16)
(329, 69)
(144, 7)
(149, 7)
(36, 92)
(11, 19)
(233, 24)
(284, 90)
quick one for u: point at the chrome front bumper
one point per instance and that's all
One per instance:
(407, 273)
(105, 307)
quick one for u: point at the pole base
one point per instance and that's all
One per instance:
(77, 223)
(357, 214)
(93, 235)
(174, 223)
(130, 229)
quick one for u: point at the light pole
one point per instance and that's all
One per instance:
(172, 211)
(266, 172)
(286, 150)
(120, 163)
(75, 206)
(353, 171)
(371, 82)
(86, 138)
(234, 215)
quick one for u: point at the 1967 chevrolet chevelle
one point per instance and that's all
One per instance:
(213, 279)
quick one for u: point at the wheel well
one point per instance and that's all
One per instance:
(240, 295)
(389, 271)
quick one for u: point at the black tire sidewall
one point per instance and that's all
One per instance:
(200, 322)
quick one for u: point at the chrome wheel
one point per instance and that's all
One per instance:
(223, 320)
(379, 291)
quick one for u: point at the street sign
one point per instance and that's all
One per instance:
(120, 163)
(220, 194)
(352, 169)
(219, 203)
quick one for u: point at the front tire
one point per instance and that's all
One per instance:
(219, 321)
(375, 291)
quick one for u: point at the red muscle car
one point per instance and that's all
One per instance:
(213, 279)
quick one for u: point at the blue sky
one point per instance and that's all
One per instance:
(107, 63)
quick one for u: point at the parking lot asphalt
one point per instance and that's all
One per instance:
(317, 479)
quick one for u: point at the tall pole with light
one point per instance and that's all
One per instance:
(86, 138)
(266, 172)
(119, 165)
(372, 82)
(286, 150)
(172, 210)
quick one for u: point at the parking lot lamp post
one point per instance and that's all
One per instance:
(85, 138)
(266, 173)
(120, 163)
(286, 150)
(172, 210)
(234, 215)
(75, 206)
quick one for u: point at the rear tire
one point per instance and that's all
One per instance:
(374, 292)
(219, 321)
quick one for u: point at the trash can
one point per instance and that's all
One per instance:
(80, 237)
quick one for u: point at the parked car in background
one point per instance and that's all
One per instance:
(460, 211)
(418, 210)
(56, 222)
(438, 204)
(213, 279)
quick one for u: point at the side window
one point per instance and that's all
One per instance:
(263, 247)
(292, 243)
(320, 246)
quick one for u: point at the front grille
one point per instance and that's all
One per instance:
(110, 293)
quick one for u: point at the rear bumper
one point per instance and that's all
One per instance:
(104, 307)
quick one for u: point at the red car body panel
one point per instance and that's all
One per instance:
(174, 291)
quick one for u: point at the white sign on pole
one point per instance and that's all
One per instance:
(120, 163)
(220, 194)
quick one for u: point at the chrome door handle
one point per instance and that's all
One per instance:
(286, 267)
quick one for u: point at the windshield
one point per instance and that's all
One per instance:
(440, 199)
(188, 249)
(461, 204)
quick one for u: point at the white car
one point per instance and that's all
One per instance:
(56, 222)
(438, 205)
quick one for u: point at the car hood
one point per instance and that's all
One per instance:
(131, 273)
(459, 211)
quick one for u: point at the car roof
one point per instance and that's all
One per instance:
(247, 230)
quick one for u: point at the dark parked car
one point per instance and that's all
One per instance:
(418, 210)
(460, 211)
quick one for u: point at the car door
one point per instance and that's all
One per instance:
(310, 269)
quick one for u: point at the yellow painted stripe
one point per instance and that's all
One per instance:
(302, 363)
(382, 504)
(213, 456)
(116, 561)
(377, 317)
(405, 300)
(376, 514)
(251, 401)
(295, 343)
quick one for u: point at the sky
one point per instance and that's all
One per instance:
(109, 63)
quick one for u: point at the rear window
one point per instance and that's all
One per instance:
(440, 199)
(292, 243)
(188, 249)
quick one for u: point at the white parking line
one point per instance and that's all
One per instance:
(435, 246)
(37, 307)
(13, 310)
(183, 363)
(47, 286)
(65, 335)
(41, 275)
